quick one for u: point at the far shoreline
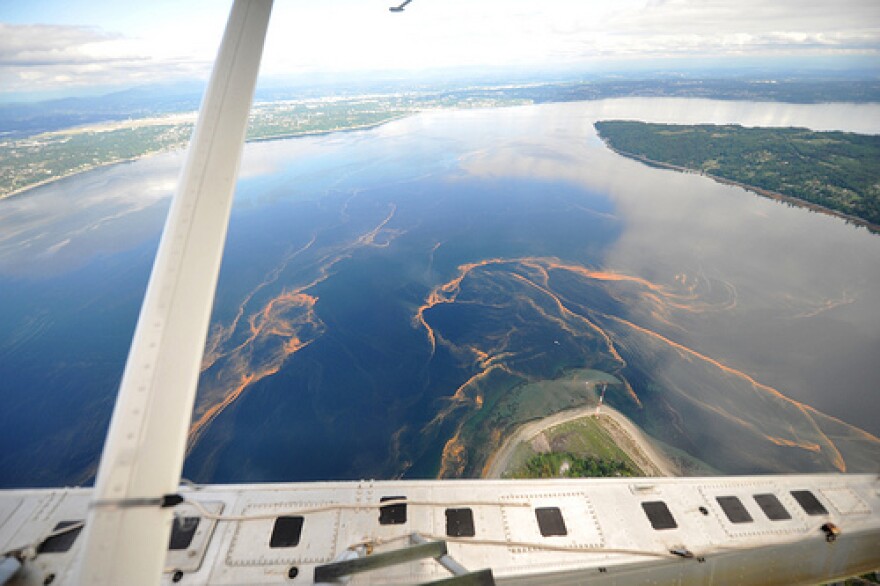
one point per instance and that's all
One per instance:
(274, 137)
(51, 180)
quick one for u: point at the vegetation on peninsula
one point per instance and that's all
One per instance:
(835, 170)
(568, 465)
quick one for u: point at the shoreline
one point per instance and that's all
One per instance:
(365, 126)
(50, 180)
(628, 437)
(769, 194)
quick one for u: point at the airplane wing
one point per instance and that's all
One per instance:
(770, 530)
(127, 528)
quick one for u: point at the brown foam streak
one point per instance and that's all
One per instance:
(221, 334)
(793, 444)
(858, 431)
(395, 457)
(259, 322)
(717, 410)
(609, 343)
(607, 276)
(836, 456)
(369, 239)
(827, 305)
(225, 332)
(453, 451)
(198, 427)
(487, 359)
(431, 256)
(657, 294)
(453, 459)
(459, 397)
(453, 456)
(563, 325)
(703, 307)
(660, 297)
(269, 321)
(446, 293)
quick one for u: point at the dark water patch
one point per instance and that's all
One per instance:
(60, 370)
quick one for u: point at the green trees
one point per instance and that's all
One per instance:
(568, 465)
(836, 170)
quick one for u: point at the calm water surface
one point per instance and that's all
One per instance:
(742, 324)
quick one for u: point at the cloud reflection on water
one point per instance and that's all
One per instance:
(807, 284)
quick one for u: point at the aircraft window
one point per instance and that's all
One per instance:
(182, 532)
(392, 514)
(61, 542)
(808, 501)
(459, 523)
(772, 507)
(286, 532)
(550, 521)
(659, 515)
(734, 509)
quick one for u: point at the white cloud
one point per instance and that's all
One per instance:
(346, 35)
(40, 57)
(525, 32)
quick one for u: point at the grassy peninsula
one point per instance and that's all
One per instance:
(584, 447)
(837, 171)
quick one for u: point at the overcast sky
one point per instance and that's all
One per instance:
(71, 45)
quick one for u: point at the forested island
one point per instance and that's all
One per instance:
(838, 171)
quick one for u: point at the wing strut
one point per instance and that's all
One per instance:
(127, 530)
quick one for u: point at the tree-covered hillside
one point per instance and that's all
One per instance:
(836, 170)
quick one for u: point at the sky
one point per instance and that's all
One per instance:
(73, 46)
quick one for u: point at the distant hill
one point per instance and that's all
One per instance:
(25, 119)
(19, 120)
(35, 147)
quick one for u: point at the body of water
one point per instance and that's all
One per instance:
(385, 293)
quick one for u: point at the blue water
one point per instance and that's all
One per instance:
(336, 241)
